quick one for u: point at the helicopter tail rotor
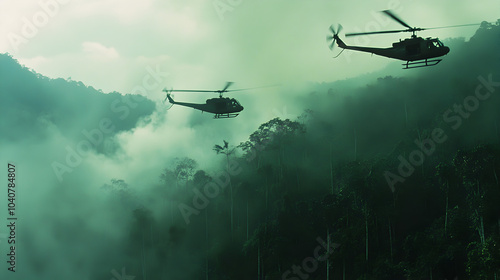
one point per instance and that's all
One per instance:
(333, 37)
(169, 97)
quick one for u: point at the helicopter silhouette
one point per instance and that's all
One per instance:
(221, 107)
(416, 51)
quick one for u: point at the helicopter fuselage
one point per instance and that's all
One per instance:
(218, 106)
(411, 49)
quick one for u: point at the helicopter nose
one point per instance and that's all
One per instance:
(446, 50)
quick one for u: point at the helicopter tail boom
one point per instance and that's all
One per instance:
(340, 43)
(170, 99)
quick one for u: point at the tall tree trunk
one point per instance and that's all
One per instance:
(281, 162)
(297, 177)
(267, 196)
(480, 227)
(420, 140)
(406, 116)
(496, 130)
(258, 261)
(355, 145)
(143, 258)
(482, 231)
(328, 254)
(366, 229)
(247, 219)
(446, 209)
(343, 269)
(495, 173)
(231, 197)
(390, 237)
(331, 168)
(347, 220)
(171, 205)
(206, 244)
(151, 234)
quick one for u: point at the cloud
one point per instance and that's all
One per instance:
(98, 51)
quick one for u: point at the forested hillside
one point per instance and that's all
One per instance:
(395, 180)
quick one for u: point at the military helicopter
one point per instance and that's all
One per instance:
(221, 107)
(416, 51)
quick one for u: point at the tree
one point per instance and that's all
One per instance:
(183, 171)
(225, 150)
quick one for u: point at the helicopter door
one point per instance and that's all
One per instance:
(413, 49)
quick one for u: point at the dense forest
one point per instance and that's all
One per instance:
(395, 178)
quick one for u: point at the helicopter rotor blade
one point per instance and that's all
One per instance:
(241, 89)
(376, 32)
(332, 45)
(228, 84)
(451, 26)
(168, 93)
(215, 91)
(339, 28)
(171, 104)
(396, 18)
(330, 38)
(332, 29)
(192, 90)
(166, 96)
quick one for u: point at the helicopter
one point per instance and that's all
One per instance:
(416, 51)
(221, 107)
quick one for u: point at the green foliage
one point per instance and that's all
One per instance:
(299, 181)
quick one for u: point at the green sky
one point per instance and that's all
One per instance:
(204, 43)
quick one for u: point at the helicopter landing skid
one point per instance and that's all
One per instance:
(225, 116)
(421, 63)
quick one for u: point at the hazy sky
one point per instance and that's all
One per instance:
(108, 44)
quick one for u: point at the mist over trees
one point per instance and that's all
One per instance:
(395, 179)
